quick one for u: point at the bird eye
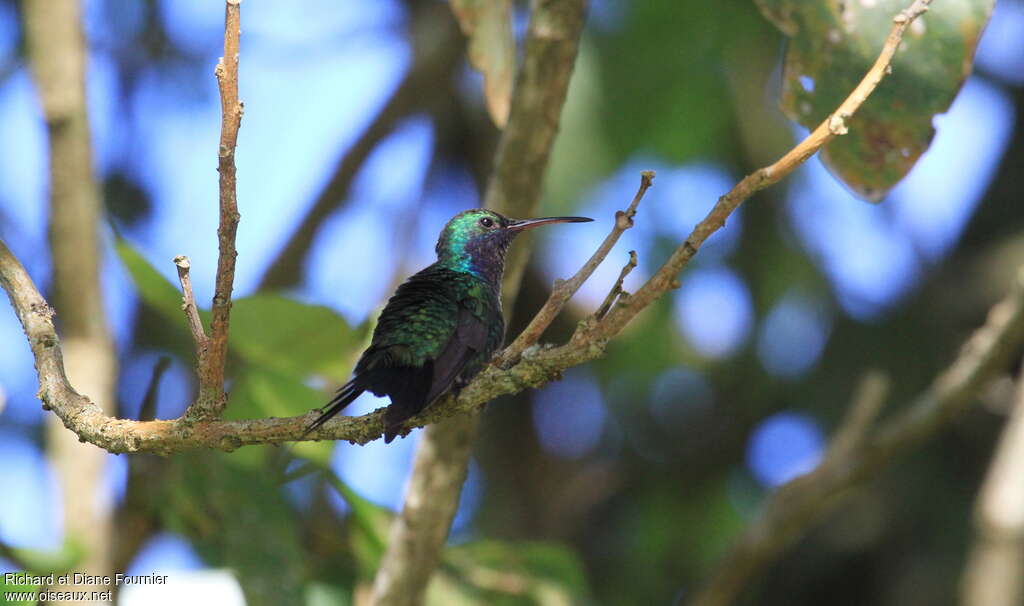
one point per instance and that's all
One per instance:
(487, 222)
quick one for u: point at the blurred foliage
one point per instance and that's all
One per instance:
(19, 587)
(318, 338)
(237, 517)
(681, 98)
(42, 563)
(126, 201)
(831, 46)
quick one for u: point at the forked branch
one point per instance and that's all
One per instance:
(211, 400)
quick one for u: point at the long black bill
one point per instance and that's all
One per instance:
(521, 224)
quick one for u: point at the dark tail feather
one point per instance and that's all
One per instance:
(408, 398)
(394, 420)
(348, 392)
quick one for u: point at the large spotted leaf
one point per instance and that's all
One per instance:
(832, 43)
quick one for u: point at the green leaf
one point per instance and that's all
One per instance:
(371, 525)
(268, 331)
(832, 45)
(236, 517)
(8, 591)
(261, 393)
(154, 289)
(322, 594)
(274, 332)
(513, 573)
(60, 561)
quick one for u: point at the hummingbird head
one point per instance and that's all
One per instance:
(476, 240)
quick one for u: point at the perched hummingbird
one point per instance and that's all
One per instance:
(443, 324)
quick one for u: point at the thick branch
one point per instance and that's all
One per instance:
(415, 540)
(993, 574)
(802, 502)
(211, 372)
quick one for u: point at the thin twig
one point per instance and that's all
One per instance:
(211, 399)
(188, 305)
(57, 50)
(563, 290)
(616, 292)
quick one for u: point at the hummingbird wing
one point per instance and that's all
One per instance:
(468, 340)
(440, 326)
(421, 386)
(427, 334)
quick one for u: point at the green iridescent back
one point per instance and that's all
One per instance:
(423, 315)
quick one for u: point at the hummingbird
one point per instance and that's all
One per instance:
(442, 325)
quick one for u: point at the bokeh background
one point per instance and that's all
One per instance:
(365, 124)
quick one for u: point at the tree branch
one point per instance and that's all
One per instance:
(286, 269)
(867, 403)
(91, 424)
(563, 290)
(147, 408)
(537, 365)
(417, 535)
(211, 400)
(57, 52)
(188, 305)
(514, 188)
(515, 185)
(792, 510)
(616, 291)
(993, 573)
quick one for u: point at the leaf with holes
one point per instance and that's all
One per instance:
(832, 44)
